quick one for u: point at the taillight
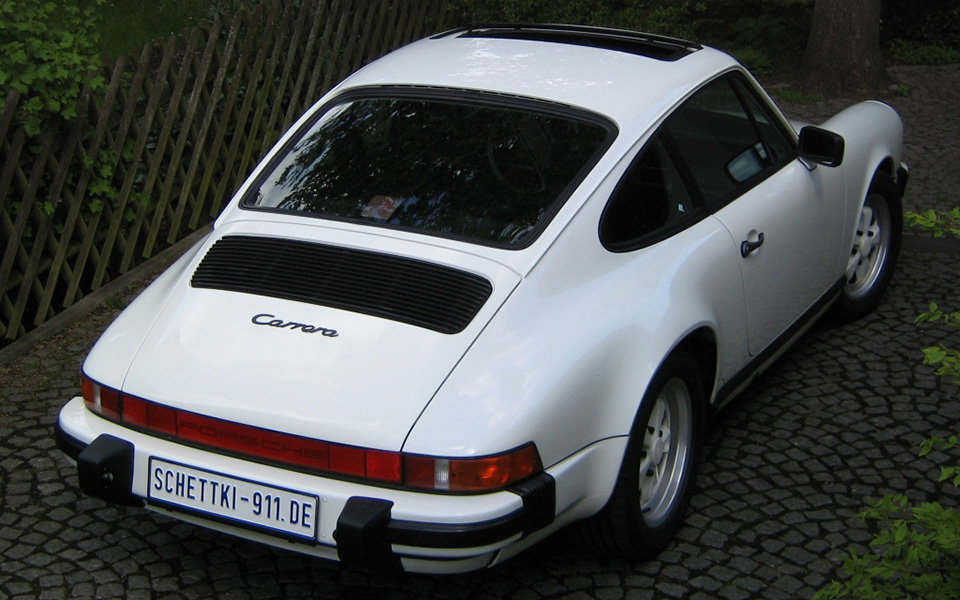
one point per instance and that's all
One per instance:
(480, 474)
(101, 400)
(472, 474)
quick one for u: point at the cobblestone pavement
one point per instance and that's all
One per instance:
(787, 466)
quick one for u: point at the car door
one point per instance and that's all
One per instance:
(744, 165)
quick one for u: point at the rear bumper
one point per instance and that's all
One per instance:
(360, 525)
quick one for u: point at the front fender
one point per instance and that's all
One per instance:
(873, 132)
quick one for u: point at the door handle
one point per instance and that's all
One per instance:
(746, 246)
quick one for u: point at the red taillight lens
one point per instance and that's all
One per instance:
(472, 474)
(149, 415)
(482, 474)
(101, 400)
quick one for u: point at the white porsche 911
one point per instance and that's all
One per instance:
(488, 286)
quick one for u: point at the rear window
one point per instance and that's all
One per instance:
(494, 174)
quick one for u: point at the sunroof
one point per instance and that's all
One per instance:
(632, 42)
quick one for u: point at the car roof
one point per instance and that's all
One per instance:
(629, 77)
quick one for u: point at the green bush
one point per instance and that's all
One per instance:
(934, 22)
(126, 25)
(913, 53)
(46, 54)
(680, 19)
(937, 222)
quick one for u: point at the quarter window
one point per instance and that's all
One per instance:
(651, 199)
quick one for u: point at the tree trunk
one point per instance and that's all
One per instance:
(843, 51)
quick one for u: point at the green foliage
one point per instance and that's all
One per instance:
(912, 53)
(935, 22)
(915, 554)
(46, 54)
(126, 25)
(796, 96)
(951, 474)
(680, 19)
(947, 358)
(755, 60)
(749, 37)
(936, 222)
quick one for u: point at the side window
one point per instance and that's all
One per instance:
(650, 199)
(718, 136)
(780, 147)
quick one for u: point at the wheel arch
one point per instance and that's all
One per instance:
(701, 344)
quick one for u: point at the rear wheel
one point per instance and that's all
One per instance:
(876, 245)
(659, 468)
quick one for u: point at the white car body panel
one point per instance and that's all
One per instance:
(603, 311)
(202, 355)
(560, 354)
(790, 211)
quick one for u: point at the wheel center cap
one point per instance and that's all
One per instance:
(658, 449)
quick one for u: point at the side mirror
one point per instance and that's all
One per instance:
(821, 146)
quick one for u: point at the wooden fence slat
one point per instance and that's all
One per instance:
(364, 32)
(7, 116)
(60, 169)
(126, 189)
(58, 164)
(185, 130)
(331, 65)
(142, 131)
(172, 117)
(260, 128)
(14, 249)
(13, 149)
(243, 135)
(299, 101)
(226, 175)
(168, 118)
(315, 89)
(258, 135)
(93, 150)
(286, 96)
(199, 155)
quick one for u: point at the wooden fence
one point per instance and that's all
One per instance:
(155, 157)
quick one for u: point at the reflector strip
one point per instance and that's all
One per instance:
(482, 474)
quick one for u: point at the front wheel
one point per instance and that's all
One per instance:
(876, 245)
(659, 467)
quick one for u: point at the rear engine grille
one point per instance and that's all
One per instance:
(400, 289)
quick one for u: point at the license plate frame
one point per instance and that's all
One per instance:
(279, 511)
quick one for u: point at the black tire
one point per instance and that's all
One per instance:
(639, 524)
(876, 246)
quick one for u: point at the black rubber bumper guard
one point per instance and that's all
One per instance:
(104, 468)
(365, 530)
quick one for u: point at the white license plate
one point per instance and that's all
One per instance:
(239, 501)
